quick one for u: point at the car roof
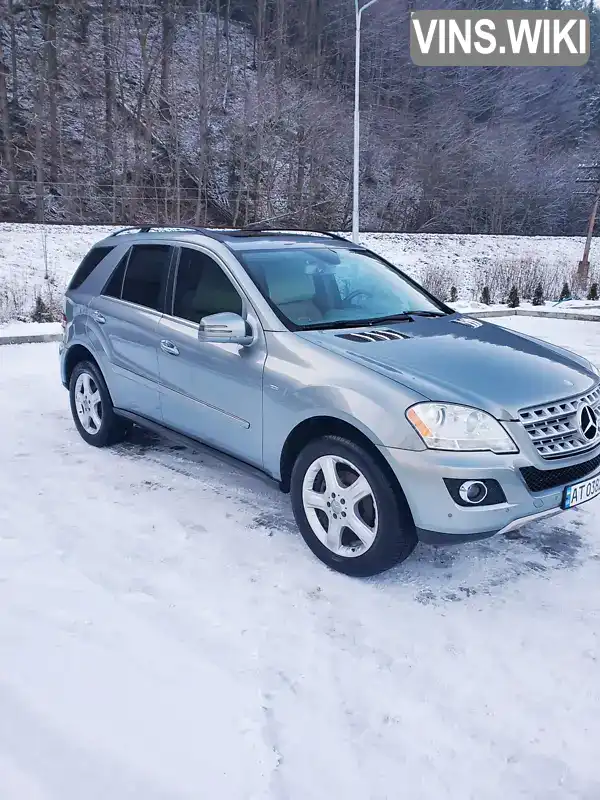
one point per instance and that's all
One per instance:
(235, 239)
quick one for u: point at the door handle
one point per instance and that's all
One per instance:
(169, 347)
(99, 317)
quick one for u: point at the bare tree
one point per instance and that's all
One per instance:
(238, 110)
(48, 15)
(168, 36)
(109, 79)
(13, 186)
(13, 53)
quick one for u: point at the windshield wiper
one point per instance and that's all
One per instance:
(356, 323)
(427, 313)
(405, 316)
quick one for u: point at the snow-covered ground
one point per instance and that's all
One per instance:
(29, 328)
(28, 253)
(461, 257)
(166, 635)
(587, 307)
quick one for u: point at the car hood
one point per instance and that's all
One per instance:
(461, 360)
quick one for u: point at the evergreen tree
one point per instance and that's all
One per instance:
(513, 298)
(538, 296)
(593, 292)
(41, 312)
(485, 296)
(565, 293)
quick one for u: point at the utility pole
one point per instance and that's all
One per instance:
(583, 268)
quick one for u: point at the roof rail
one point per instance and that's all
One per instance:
(249, 230)
(123, 230)
(326, 233)
(216, 232)
(148, 228)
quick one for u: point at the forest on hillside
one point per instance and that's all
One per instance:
(228, 112)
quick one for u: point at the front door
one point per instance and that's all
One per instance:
(212, 392)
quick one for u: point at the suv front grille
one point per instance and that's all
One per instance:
(538, 480)
(554, 427)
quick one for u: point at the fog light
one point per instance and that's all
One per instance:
(473, 492)
(482, 492)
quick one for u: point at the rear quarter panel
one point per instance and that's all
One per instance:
(76, 311)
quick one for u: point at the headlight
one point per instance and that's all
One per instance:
(444, 426)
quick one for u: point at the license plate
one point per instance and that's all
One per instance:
(581, 492)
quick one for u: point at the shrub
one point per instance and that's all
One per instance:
(525, 273)
(41, 312)
(486, 298)
(453, 294)
(565, 293)
(436, 280)
(538, 295)
(513, 298)
(593, 292)
(18, 299)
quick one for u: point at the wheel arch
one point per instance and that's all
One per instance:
(315, 428)
(75, 355)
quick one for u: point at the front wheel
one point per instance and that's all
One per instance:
(347, 510)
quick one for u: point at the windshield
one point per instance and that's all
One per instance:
(331, 287)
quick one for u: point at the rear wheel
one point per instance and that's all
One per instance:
(348, 511)
(92, 407)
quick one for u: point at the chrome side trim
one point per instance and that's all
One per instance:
(518, 523)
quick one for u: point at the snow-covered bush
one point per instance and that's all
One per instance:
(513, 298)
(436, 280)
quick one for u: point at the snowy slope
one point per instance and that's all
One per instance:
(462, 256)
(166, 635)
(28, 252)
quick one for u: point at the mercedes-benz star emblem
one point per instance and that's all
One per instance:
(588, 422)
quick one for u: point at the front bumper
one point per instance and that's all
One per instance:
(436, 537)
(439, 520)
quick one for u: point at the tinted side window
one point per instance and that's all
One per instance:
(146, 275)
(88, 265)
(115, 283)
(202, 288)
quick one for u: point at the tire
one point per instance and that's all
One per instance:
(375, 534)
(94, 417)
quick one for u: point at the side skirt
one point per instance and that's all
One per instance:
(195, 444)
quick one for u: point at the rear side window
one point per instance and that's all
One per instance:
(88, 265)
(114, 287)
(146, 275)
(141, 276)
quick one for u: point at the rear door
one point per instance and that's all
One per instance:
(124, 318)
(210, 391)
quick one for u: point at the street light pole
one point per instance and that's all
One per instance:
(355, 193)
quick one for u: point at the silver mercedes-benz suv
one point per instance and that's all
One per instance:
(387, 416)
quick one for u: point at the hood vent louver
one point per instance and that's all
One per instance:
(376, 335)
(470, 323)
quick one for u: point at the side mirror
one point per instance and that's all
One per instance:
(225, 328)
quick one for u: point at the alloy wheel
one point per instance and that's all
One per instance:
(88, 403)
(340, 506)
